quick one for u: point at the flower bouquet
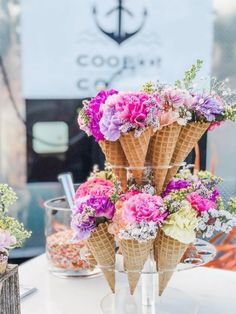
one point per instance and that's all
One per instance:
(194, 208)
(93, 210)
(135, 223)
(12, 233)
(159, 126)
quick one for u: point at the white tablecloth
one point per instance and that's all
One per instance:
(215, 290)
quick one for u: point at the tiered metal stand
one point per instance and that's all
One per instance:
(9, 291)
(145, 299)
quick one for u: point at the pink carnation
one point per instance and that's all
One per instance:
(176, 97)
(95, 187)
(129, 106)
(199, 203)
(145, 207)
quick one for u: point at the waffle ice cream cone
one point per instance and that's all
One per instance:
(135, 255)
(90, 260)
(114, 154)
(102, 246)
(169, 253)
(160, 152)
(135, 149)
(189, 135)
(3, 266)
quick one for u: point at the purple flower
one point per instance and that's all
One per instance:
(102, 205)
(82, 226)
(214, 195)
(110, 125)
(175, 185)
(94, 114)
(85, 212)
(208, 106)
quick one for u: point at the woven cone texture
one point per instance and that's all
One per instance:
(114, 154)
(135, 149)
(102, 246)
(3, 267)
(160, 152)
(189, 135)
(169, 253)
(90, 260)
(135, 255)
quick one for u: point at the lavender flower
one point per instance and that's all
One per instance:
(94, 114)
(110, 125)
(207, 106)
(86, 211)
(82, 226)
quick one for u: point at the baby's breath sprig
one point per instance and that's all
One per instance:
(231, 205)
(15, 228)
(7, 197)
(229, 113)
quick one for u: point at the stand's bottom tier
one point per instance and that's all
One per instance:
(172, 301)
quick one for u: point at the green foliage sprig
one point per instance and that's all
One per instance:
(7, 197)
(232, 205)
(10, 224)
(189, 75)
(148, 87)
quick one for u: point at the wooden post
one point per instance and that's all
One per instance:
(10, 291)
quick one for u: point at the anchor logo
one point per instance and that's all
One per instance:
(120, 35)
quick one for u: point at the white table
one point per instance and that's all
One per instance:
(215, 290)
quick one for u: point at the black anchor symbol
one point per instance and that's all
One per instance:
(120, 36)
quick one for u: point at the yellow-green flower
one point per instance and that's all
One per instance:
(181, 225)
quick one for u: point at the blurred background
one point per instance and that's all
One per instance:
(53, 54)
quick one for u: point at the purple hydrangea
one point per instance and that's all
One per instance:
(94, 114)
(175, 185)
(208, 106)
(110, 125)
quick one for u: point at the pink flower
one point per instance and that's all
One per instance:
(199, 203)
(145, 207)
(95, 187)
(167, 117)
(213, 125)
(176, 97)
(131, 107)
(6, 240)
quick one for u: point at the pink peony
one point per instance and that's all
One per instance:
(143, 207)
(95, 187)
(199, 203)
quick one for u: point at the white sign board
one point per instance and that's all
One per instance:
(70, 48)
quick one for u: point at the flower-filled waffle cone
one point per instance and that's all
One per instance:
(102, 246)
(135, 149)
(3, 266)
(189, 135)
(169, 253)
(90, 260)
(135, 254)
(160, 152)
(114, 154)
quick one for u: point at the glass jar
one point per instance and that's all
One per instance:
(66, 257)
